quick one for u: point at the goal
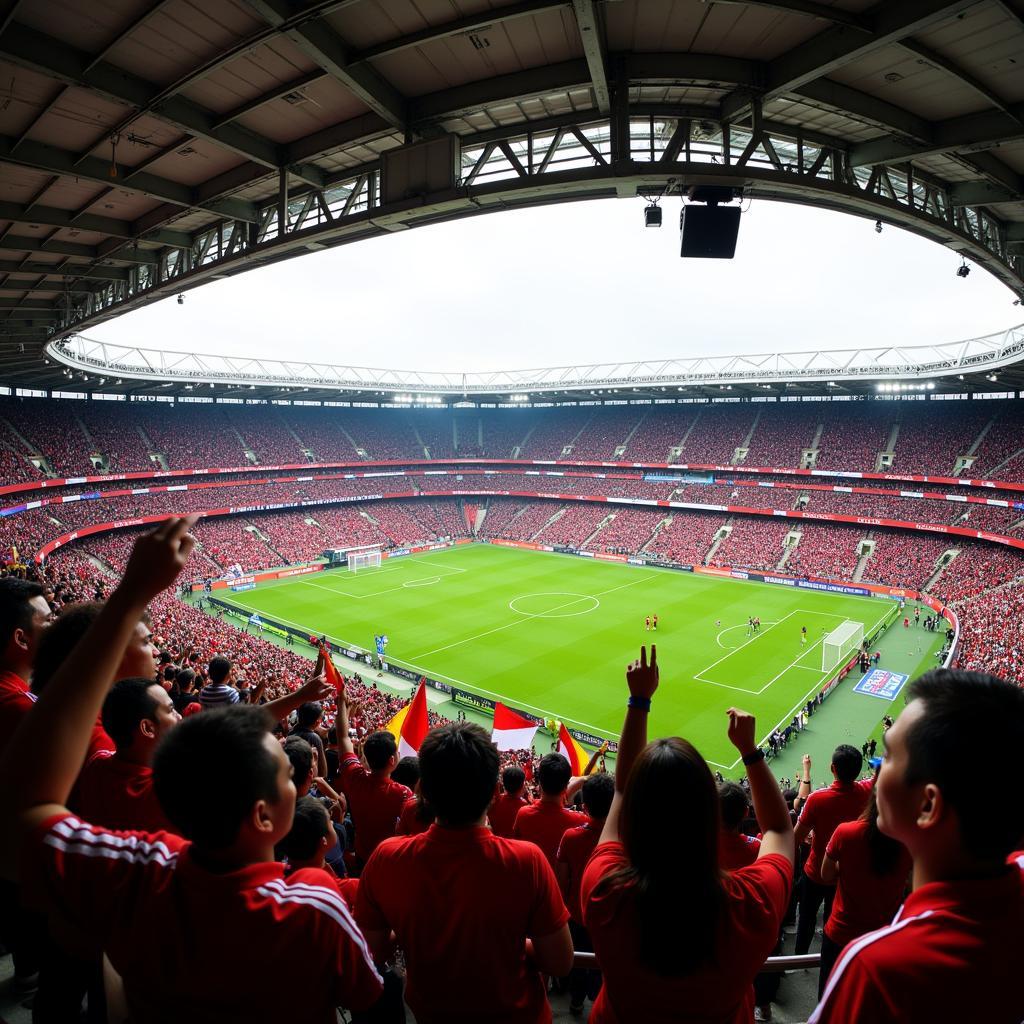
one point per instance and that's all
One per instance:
(840, 644)
(363, 560)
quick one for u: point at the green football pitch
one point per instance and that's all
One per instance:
(552, 634)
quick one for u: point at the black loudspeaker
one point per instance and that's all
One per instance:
(709, 232)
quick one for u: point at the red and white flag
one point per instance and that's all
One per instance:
(511, 730)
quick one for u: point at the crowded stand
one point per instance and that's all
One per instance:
(825, 551)
(523, 525)
(661, 431)
(192, 435)
(435, 434)
(783, 432)
(977, 568)
(318, 431)
(931, 439)
(854, 434)
(914, 556)
(120, 442)
(604, 434)
(53, 430)
(231, 541)
(990, 631)
(753, 542)
(494, 433)
(998, 454)
(381, 434)
(575, 524)
(627, 532)
(718, 432)
(264, 434)
(554, 431)
(685, 537)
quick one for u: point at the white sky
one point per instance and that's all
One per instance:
(583, 282)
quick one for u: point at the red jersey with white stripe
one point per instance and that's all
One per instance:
(118, 794)
(952, 953)
(198, 946)
(16, 702)
(375, 803)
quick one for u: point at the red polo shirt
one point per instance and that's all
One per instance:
(953, 952)
(574, 851)
(824, 810)
(186, 940)
(409, 822)
(502, 814)
(544, 824)
(374, 801)
(462, 903)
(114, 793)
(736, 850)
(720, 990)
(864, 900)
(15, 703)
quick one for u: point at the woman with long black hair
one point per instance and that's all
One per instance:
(678, 938)
(872, 870)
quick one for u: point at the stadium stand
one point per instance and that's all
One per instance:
(718, 432)
(854, 434)
(753, 543)
(825, 551)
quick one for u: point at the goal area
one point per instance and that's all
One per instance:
(840, 644)
(365, 559)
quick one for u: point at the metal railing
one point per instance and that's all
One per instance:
(773, 965)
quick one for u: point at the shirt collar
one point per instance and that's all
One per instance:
(980, 896)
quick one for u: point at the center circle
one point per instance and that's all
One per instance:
(554, 604)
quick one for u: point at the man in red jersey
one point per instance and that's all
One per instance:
(117, 791)
(843, 801)
(24, 618)
(573, 853)
(509, 802)
(545, 822)
(480, 918)
(163, 908)
(953, 951)
(374, 800)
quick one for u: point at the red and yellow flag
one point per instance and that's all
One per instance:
(572, 751)
(410, 725)
(331, 673)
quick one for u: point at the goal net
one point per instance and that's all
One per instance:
(363, 560)
(840, 644)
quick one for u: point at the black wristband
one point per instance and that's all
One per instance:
(757, 755)
(639, 703)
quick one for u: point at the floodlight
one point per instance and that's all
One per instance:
(181, 300)
(878, 226)
(963, 270)
(652, 216)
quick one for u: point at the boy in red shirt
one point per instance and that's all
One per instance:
(573, 853)
(953, 951)
(374, 800)
(162, 908)
(735, 850)
(509, 802)
(824, 809)
(480, 918)
(545, 822)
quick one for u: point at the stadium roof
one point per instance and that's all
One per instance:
(147, 146)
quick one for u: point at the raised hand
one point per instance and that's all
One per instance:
(316, 688)
(806, 761)
(156, 559)
(742, 731)
(641, 677)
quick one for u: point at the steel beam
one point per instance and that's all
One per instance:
(46, 55)
(805, 7)
(329, 51)
(294, 85)
(591, 29)
(888, 22)
(88, 222)
(969, 134)
(70, 271)
(42, 157)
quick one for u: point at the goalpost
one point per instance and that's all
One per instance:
(363, 558)
(840, 644)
